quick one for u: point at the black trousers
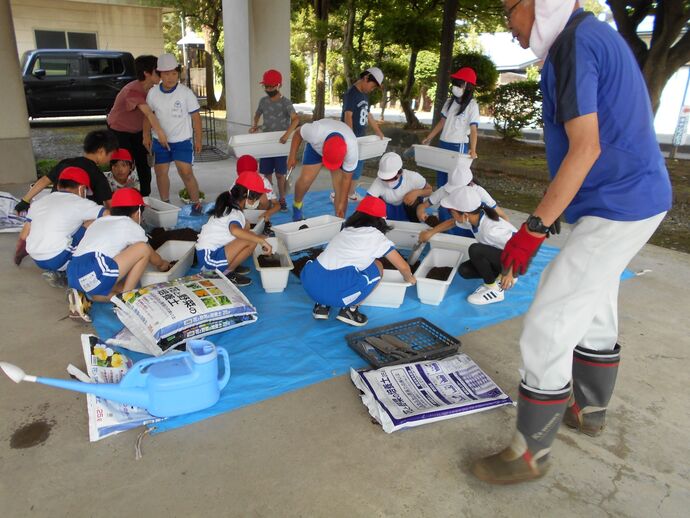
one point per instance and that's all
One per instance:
(134, 143)
(484, 263)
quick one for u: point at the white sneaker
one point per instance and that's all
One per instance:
(332, 197)
(486, 295)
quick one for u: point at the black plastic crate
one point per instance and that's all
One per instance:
(428, 342)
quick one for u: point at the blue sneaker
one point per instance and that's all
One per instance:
(297, 214)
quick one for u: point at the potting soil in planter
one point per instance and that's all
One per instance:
(439, 273)
(269, 261)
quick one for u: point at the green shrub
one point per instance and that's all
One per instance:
(516, 106)
(298, 83)
(487, 75)
(339, 88)
(43, 167)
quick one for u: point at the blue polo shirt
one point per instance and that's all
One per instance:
(590, 69)
(358, 103)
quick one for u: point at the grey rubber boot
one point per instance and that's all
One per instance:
(594, 376)
(540, 413)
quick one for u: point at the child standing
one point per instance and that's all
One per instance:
(279, 115)
(492, 233)
(112, 256)
(347, 271)
(177, 110)
(225, 240)
(402, 190)
(57, 224)
(122, 172)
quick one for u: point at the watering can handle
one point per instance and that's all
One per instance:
(226, 368)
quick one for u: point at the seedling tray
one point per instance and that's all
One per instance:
(429, 341)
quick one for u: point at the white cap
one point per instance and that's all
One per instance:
(166, 62)
(464, 199)
(377, 74)
(461, 175)
(389, 165)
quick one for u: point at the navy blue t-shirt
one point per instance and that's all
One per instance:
(590, 69)
(358, 103)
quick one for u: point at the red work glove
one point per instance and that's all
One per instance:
(519, 251)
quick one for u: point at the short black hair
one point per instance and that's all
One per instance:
(124, 211)
(360, 219)
(145, 63)
(98, 139)
(369, 77)
(67, 184)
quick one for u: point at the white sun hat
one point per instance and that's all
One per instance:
(463, 199)
(389, 165)
(377, 74)
(166, 63)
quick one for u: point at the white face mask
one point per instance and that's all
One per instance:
(457, 91)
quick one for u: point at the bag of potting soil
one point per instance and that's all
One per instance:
(164, 316)
(106, 365)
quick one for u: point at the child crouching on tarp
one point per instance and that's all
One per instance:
(347, 271)
(268, 202)
(225, 240)
(491, 232)
(112, 256)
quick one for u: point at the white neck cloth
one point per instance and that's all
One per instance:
(550, 17)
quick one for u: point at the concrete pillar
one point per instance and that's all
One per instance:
(257, 37)
(17, 164)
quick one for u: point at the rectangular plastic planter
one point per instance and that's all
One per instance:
(159, 213)
(371, 146)
(321, 230)
(438, 159)
(405, 234)
(180, 251)
(390, 292)
(274, 280)
(451, 242)
(260, 145)
(432, 291)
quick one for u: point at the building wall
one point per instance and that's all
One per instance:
(118, 27)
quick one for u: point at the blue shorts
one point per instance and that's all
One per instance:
(93, 273)
(339, 288)
(179, 152)
(310, 156)
(61, 260)
(357, 173)
(208, 259)
(275, 164)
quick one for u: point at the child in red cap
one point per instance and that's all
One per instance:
(225, 241)
(348, 270)
(122, 173)
(57, 224)
(279, 115)
(268, 202)
(112, 256)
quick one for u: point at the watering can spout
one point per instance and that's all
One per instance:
(130, 396)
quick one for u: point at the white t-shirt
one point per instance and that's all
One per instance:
(54, 219)
(356, 247)
(315, 134)
(492, 233)
(394, 192)
(440, 193)
(216, 232)
(132, 181)
(457, 129)
(110, 235)
(173, 111)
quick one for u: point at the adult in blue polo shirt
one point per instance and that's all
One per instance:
(610, 180)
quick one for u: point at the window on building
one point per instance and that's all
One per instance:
(65, 40)
(82, 40)
(56, 66)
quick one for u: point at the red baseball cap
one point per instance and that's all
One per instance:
(334, 150)
(252, 181)
(247, 163)
(127, 197)
(121, 154)
(76, 174)
(373, 206)
(466, 74)
(272, 78)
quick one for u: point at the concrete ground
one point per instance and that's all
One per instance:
(315, 451)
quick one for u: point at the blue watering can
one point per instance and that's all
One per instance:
(165, 386)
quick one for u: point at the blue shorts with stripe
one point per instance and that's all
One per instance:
(61, 260)
(342, 287)
(93, 273)
(179, 152)
(274, 164)
(209, 259)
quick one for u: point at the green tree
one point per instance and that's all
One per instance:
(298, 85)
(516, 106)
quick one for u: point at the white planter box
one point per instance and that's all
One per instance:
(439, 159)
(405, 234)
(321, 230)
(252, 215)
(274, 280)
(159, 213)
(431, 291)
(390, 292)
(452, 242)
(260, 145)
(180, 251)
(371, 146)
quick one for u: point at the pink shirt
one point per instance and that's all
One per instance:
(124, 115)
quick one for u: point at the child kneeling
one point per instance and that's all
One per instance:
(112, 256)
(347, 271)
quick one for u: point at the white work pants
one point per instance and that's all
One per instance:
(577, 299)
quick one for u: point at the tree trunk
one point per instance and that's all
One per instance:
(450, 12)
(406, 101)
(348, 38)
(321, 9)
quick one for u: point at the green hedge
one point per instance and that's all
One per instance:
(516, 106)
